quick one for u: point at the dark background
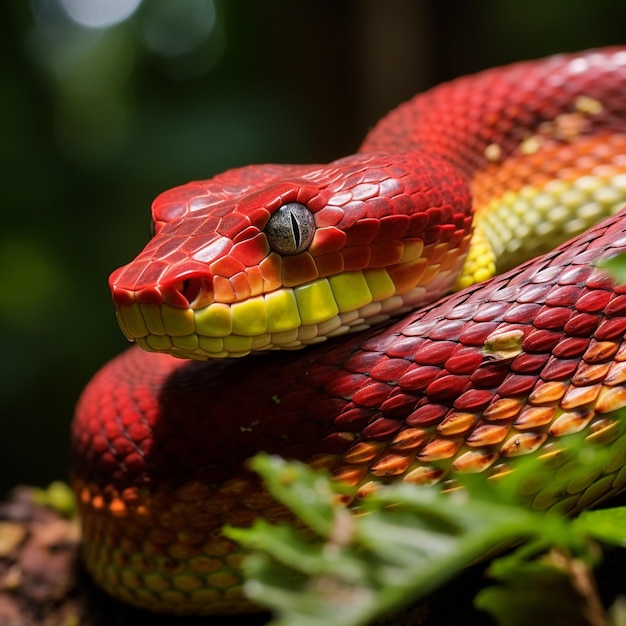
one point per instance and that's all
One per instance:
(96, 122)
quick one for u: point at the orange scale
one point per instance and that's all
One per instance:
(540, 179)
(599, 351)
(298, 269)
(533, 417)
(456, 423)
(330, 264)
(409, 439)
(503, 409)
(493, 119)
(255, 280)
(363, 452)
(547, 393)
(392, 465)
(386, 253)
(590, 373)
(609, 144)
(540, 161)
(271, 271)
(408, 275)
(435, 252)
(487, 435)
(227, 266)
(522, 443)
(241, 286)
(350, 474)
(452, 258)
(97, 502)
(611, 399)
(474, 461)
(426, 274)
(131, 495)
(425, 475)
(223, 290)
(570, 422)
(571, 174)
(439, 449)
(616, 374)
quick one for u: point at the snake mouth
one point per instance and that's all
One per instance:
(284, 319)
(193, 313)
(287, 318)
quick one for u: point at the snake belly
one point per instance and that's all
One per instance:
(468, 382)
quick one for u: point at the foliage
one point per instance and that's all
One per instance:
(351, 565)
(616, 267)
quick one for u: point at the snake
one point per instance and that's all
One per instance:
(432, 306)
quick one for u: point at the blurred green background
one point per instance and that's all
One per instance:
(105, 104)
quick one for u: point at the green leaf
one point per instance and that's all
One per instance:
(616, 267)
(349, 566)
(341, 565)
(607, 525)
(310, 495)
(555, 589)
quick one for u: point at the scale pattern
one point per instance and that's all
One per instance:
(499, 370)
(389, 236)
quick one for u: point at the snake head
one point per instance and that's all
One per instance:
(277, 257)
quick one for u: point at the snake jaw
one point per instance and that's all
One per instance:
(286, 317)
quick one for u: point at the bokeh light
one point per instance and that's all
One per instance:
(99, 13)
(175, 28)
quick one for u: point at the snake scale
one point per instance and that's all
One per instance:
(480, 176)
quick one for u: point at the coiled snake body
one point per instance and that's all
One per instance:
(270, 258)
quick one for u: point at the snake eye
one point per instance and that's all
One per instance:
(291, 228)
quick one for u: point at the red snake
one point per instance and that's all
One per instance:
(273, 256)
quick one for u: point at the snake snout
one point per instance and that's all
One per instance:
(183, 289)
(190, 289)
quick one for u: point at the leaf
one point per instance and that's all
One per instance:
(556, 589)
(607, 525)
(350, 566)
(616, 267)
(311, 495)
(340, 565)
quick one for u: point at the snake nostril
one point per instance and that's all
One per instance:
(190, 289)
(196, 291)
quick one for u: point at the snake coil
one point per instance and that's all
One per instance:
(460, 183)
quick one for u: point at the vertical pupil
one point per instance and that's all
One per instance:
(296, 230)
